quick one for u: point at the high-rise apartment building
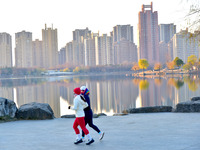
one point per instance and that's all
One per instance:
(78, 53)
(124, 49)
(148, 33)
(197, 35)
(23, 49)
(90, 57)
(69, 53)
(37, 53)
(103, 50)
(170, 51)
(98, 42)
(123, 31)
(50, 47)
(5, 50)
(166, 32)
(125, 52)
(185, 44)
(110, 51)
(62, 56)
(79, 35)
(163, 48)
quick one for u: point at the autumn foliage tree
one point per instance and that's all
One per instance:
(158, 66)
(143, 64)
(170, 65)
(77, 69)
(186, 67)
(192, 60)
(66, 70)
(135, 67)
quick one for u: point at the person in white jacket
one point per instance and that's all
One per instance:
(79, 104)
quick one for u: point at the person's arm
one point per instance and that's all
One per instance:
(85, 104)
(87, 98)
(75, 105)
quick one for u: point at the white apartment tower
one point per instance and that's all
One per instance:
(23, 49)
(166, 32)
(69, 53)
(123, 31)
(125, 52)
(5, 50)
(124, 49)
(185, 45)
(37, 53)
(50, 47)
(90, 57)
(103, 50)
(79, 35)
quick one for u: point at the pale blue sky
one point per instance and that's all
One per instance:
(68, 15)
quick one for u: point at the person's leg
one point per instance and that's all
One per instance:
(78, 136)
(75, 126)
(82, 125)
(81, 122)
(86, 122)
(90, 122)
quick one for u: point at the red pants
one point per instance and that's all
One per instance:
(81, 122)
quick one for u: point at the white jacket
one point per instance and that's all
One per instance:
(79, 105)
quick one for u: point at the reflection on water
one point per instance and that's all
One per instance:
(109, 94)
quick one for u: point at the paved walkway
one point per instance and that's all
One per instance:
(150, 131)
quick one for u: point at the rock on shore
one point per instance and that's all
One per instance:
(149, 109)
(195, 98)
(189, 106)
(7, 109)
(35, 111)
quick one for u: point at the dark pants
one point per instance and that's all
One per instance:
(89, 121)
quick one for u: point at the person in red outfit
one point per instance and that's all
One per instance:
(79, 104)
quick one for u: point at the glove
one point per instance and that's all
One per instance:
(69, 107)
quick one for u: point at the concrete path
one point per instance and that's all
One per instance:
(150, 131)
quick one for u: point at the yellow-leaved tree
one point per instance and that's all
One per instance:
(66, 70)
(143, 64)
(192, 60)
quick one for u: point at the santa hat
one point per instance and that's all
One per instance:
(77, 91)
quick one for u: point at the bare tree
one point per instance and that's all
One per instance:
(193, 16)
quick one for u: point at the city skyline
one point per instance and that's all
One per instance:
(70, 15)
(88, 48)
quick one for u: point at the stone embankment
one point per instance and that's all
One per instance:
(42, 111)
(189, 106)
(192, 105)
(149, 109)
